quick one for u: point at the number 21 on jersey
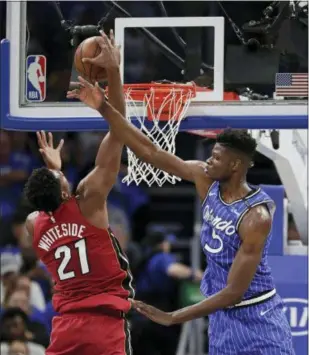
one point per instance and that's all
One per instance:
(65, 253)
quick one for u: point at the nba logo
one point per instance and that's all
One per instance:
(36, 78)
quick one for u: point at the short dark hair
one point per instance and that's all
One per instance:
(13, 312)
(238, 139)
(43, 190)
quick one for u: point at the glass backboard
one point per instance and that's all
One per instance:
(197, 41)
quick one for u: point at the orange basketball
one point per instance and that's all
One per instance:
(89, 48)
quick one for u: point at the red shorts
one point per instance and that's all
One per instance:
(89, 334)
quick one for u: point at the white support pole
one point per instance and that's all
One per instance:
(291, 161)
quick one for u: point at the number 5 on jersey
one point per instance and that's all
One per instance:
(219, 243)
(65, 253)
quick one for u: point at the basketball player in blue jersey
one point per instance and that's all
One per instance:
(245, 313)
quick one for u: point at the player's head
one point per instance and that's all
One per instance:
(232, 155)
(46, 189)
(14, 324)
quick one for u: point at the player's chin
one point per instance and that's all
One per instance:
(210, 172)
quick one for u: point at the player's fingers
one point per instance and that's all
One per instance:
(75, 85)
(90, 60)
(43, 136)
(60, 145)
(134, 303)
(104, 40)
(73, 94)
(39, 138)
(84, 82)
(112, 37)
(50, 140)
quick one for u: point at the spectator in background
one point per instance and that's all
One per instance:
(14, 328)
(49, 314)
(155, 278)
(37, 272)
(18, 347)
(10, 265)
(33, 291)
(123, 203)
(15, 167)
(36, 323)
(10, 231)
(11, 280)
(19, 297)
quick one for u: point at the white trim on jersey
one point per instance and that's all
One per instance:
(210, 187)
(258, 299)
(264, 202)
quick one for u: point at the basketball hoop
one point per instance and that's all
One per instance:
(165, 105)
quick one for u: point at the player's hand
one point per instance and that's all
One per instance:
(109, 58)
(153, 313)
(51, 155)
(91, 95)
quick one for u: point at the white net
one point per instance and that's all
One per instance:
(172, 106)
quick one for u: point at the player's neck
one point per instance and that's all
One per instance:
(234, 189)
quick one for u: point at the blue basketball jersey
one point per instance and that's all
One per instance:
(220, 240)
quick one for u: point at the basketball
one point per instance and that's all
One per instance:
(89, 48)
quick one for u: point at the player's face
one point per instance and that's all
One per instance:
(14, 328)
(65, 186)
(220, 164)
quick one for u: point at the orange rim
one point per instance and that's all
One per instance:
(159, 91)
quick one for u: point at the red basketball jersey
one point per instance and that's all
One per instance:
(86, 263)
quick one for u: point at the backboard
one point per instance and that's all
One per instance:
(171, 43)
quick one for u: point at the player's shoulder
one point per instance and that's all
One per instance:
(258, 217)
(30, 220)
(32, 216)
(201, 179)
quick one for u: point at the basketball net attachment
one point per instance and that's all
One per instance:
(159, 110)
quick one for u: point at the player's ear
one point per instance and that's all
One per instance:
(65, 196)
(236, 164)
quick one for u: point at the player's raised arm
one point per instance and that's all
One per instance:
(140, 144)
(107, 164)
(147, 151)
(253, 231)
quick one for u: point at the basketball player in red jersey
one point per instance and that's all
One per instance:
(71, 235)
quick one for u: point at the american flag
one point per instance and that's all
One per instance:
(292, 84)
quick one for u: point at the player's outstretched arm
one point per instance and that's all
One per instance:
(253, 231)
(141, 145)
(107, 164)
(147, 151)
